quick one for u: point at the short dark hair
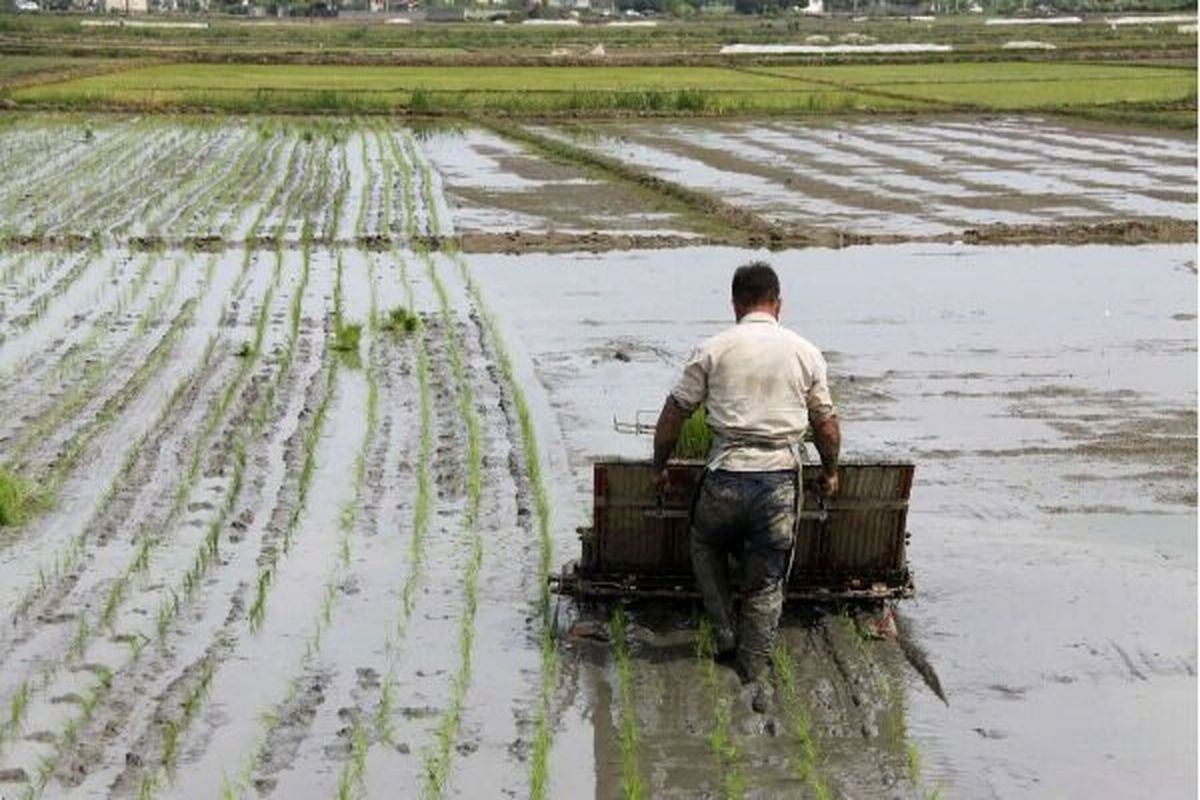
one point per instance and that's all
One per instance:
(755, 283)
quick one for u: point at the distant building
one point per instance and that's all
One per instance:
(126, 6)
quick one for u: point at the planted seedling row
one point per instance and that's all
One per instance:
(632, 787)
(721, 740)
(437, 756)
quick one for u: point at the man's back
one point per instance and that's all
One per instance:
(759, 383)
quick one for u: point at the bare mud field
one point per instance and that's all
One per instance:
(307, 462)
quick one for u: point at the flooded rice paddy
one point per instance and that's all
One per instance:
(286, 559)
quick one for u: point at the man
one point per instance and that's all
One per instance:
(763, 387)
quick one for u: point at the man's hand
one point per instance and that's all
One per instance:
(661, 480)
(827, 483)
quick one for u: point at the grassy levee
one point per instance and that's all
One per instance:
(1144, 95)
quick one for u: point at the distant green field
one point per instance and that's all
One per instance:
(609, 90)
(243, 77)
(1015, 85)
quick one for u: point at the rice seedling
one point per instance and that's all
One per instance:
(19, 500)
(350, 778)
(18, 704)
(806, 756)
(399, 320)
(912, 763)
(720, 736)
(346, 337)
(631, 778)
(78, 640)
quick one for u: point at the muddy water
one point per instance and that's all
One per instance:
(1047, 396)
(910, 178)
(499, 186)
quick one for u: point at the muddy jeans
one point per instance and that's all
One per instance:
(750, 515)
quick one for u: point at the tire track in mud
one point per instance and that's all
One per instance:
(524, 471)
(321, 743)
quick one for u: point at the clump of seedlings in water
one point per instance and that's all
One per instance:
(400, 320)
(346, 337)
(18, 499)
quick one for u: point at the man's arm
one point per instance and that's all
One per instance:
(666, 434)
(827, 436)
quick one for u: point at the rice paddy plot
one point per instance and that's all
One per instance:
(312, 451)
